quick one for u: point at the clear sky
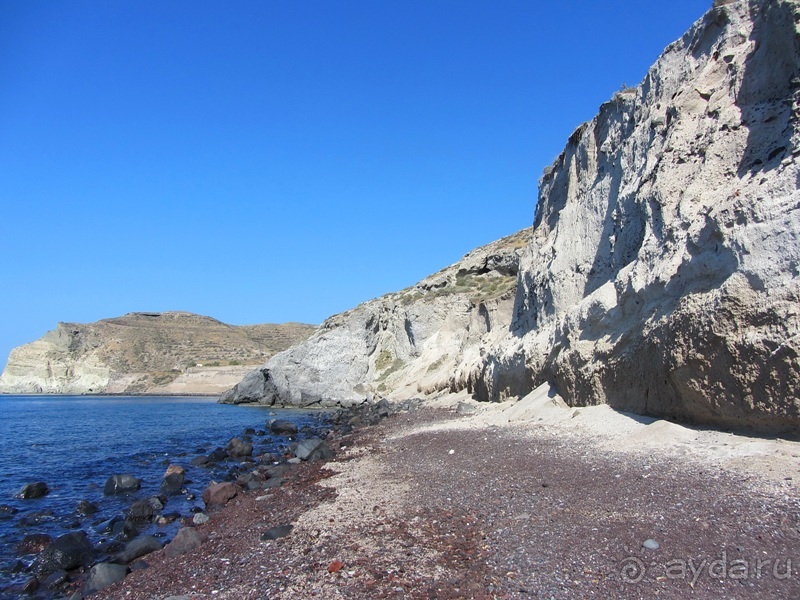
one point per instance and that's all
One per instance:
(269, 161)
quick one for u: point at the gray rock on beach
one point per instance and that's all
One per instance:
(313, 449)
(137, 548)
(104, 575)
(186, 540)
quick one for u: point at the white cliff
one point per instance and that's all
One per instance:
(404, 344)
(662, 275)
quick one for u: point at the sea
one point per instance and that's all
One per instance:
(75, 443)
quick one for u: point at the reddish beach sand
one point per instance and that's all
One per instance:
(525, 500)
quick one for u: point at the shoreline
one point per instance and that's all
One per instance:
(148, 510)
(518, 500)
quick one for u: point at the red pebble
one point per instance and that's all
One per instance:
(335, 566)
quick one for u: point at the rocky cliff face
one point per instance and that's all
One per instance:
(152, 353)
(662, 275)
(421, 340)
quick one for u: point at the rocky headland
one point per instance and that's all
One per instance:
(661, 276)
(145, 353)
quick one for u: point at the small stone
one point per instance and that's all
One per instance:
(651, 544)
(335, 566)
(466, 409)
(200, 519)
(273, 533)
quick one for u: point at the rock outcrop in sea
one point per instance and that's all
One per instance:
(662, 274)
(145, 353)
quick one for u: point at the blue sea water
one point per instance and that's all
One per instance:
(74, 443)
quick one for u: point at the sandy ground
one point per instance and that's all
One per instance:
(530, 499)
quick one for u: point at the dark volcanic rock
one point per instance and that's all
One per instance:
(138, 548)
(238, 448)
(173, 480)
(30, 491)
(55, 580)
(6, 511)
(34, 543)
(141, 511)
(67, 552)
(313, 449)
(103, 575)
(121, 484)
(282, 427)
(273, 533)
(86, 508)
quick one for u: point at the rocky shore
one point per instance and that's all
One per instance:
(49, 553)
(514, 500)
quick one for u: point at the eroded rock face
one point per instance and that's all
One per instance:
(418, 341)
(146, 353)
(663, 273)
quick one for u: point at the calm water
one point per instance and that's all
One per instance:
(74, 443)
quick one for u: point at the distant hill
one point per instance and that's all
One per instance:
(145, 353)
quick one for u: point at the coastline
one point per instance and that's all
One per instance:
(517, 500)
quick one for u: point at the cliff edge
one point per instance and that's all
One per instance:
(662, 277)
(145, 353)
(662, 272)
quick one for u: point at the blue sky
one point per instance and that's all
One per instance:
(263, 161)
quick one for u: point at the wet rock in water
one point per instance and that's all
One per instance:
(172, 483)
(103, 575)
(218, 494)
(125, 530)
(34, 543)
(86, 508)
(30, 586)
(274, 533)
(166, 519)
(138, 548)
(238, 448)
(141, 511)
(55, 580)
(37, 518)
(282, 427)
(107, 526)
(218, 455)
(313, 449)
(121, 484)
(200, 461)
(30, 491)
(186, 540)
(6, 511)
(68, 551)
